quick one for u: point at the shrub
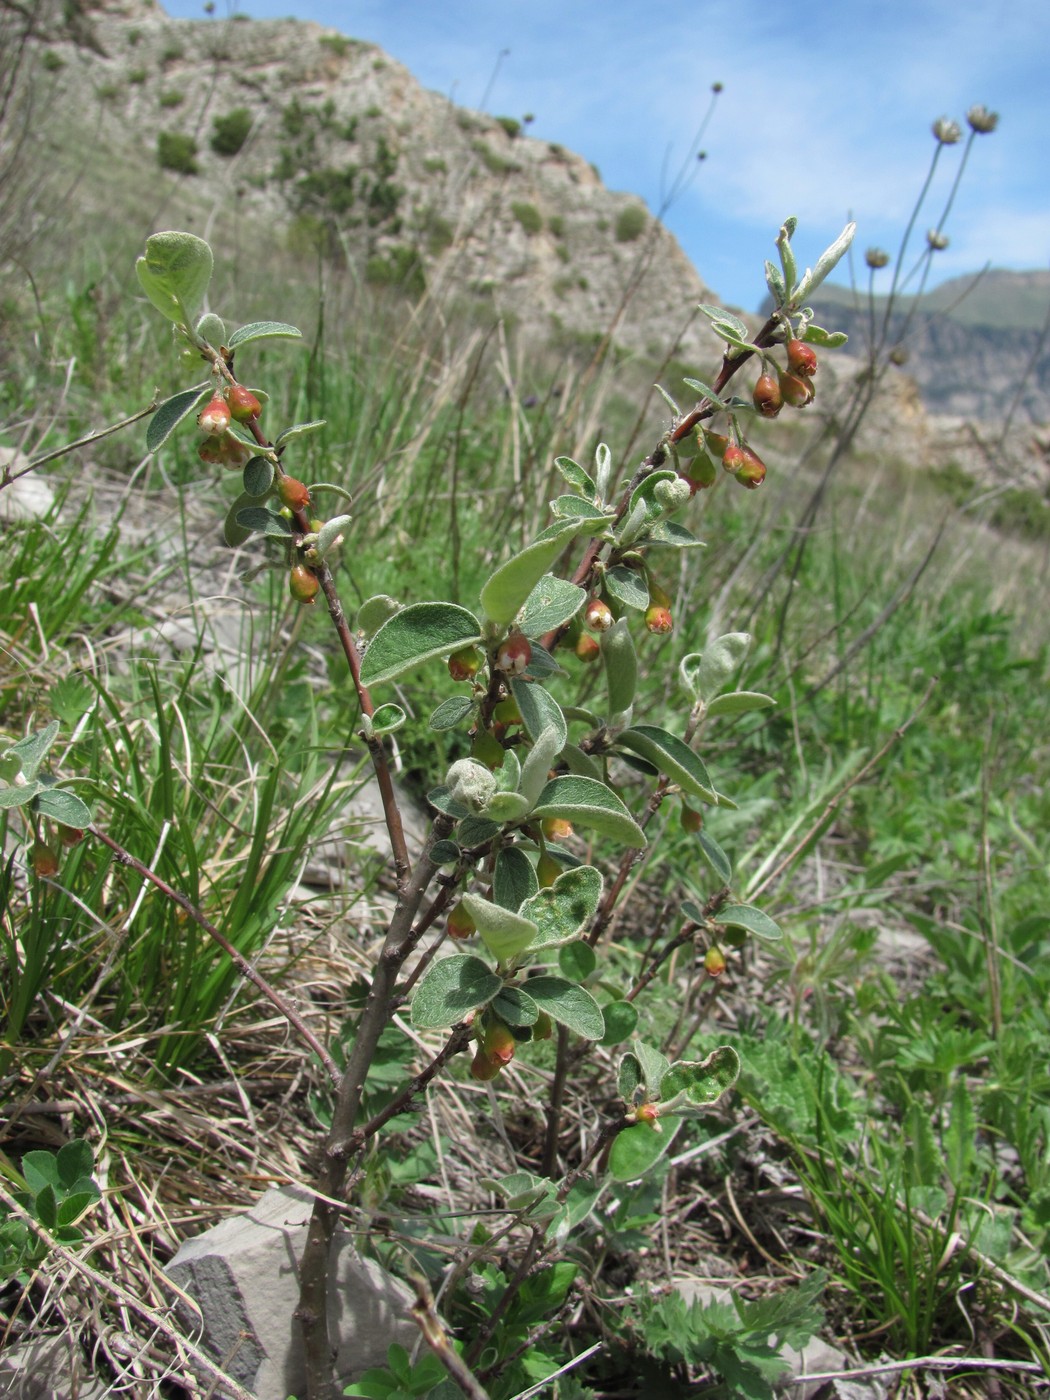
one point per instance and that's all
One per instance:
(172, 53)
(631, 223)
(510, 125)
(434, 165)
(556, 225)
(51, 62)
(178, 152)
(492, 160)
(230, 132)
(172, 98)
(529, 217)
(401, 268)
(137, 77)
(336, 44)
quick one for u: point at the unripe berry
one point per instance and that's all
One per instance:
(767, 397)
(691, 819)
(214, 418)
(507, 712)
(797, 392)
(802, 359)
(483, 1068)
(302, 584)
(704, 471)
(752, 471)
(487, 749)
(598, 616)
(556, 828)
(514, 654)
(658, 620)
(587, 649)
(460, 925)
(716, 443)
(735, 937)
(463, 664)
(292, 493)
(70, 835)
(499, 1044)
(714, 962)
(43, 859)
(547, 870)
(543, 1028)
(243, 404)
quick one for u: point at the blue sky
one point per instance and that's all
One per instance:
(825, 112)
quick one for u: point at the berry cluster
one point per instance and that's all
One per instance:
(220, 447)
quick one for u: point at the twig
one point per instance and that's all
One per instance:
(923, 1363)
(436, 1339)
(9, 476)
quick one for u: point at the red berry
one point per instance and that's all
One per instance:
(797, 392)
(767, 397)
(292, 493)
(243, 404)
(658, 619)
(514, 654)
(714, 962)
(587, 649)
(733, 457)
(484, 1068)
(215, 417)
(43, 859)
(303, 584)
(463, 664)
(598, 615)
(802, 359)
(460, 925)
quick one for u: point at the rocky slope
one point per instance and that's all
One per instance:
(337, 145)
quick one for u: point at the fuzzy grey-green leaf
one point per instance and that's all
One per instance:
(450, 989)
(414, 635)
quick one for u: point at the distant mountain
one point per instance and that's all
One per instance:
(970, 344)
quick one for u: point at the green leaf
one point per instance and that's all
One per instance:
(671, 756)
(330, 534)
(263, 330)
(830, 340)
(638, 1148)
(705, 675)
(775, 283)
(692, 1085)
(826, 264)
(374, 611)
(40, 1169)
(629, 1078)
(171, 412)
(258, 477)
(508, 807)
(451, 712)
(445, 852)
(621, 1018)
(577, 960)
(620, 661)
(516, 1007)
(45, 1207)
(450, 988)
(628, 586)
(564, 909)
(539, 710)
(174, 272)
(670, 533)
(20, 796)
(787, 254)
(705, 391)
(573, 508)
(552, 602)
(212, 329)
(504, 933)
(262, 521)
(72, 1207)
(514, 879)
(716, 858)
(414, 635)
(298, 430)
(64, 807)
(739, 702)
(591, 804)
(583, 763)
(654, 1065)
(387, 718)
(33, 749)
(569, 1005)
(233, 532)
(538, 765)
(746, 916)
(718, 314)
(509, 587)
(71, 698)
(575, 475)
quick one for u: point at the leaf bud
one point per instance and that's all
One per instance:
(471, 783)
(672, 495)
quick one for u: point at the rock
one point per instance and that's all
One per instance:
(27, 497)
(243, 1276)
(48, 1368)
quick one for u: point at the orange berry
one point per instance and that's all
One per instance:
(243, 404)
(303, 584)
(292, 493)
(43, 859)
